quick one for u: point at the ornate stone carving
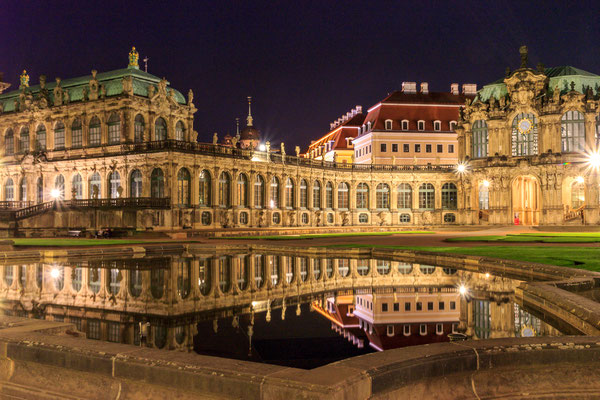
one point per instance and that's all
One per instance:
(94, 86)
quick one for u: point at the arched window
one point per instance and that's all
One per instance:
(426, 196)
(135, 282)
(183, 187)
(135, 183)
(362, 195)
(404, 196)
(480, 139)
(204, 275)
(577, 194)
(39, 187)
(242, 190)
(289, 193)
(24, 140)
(484, 196)
(224, 190)
(303, 194)
(95, 183)
(95, 135)
(157, 183)
(160, 129)
(77, 186)
(225, 274)
(382, 193)
(40, 137)
(23, 190)
(316, 195)
(59, 136)
(59, 184)
(274, 199)
(205, 189)
(572, 131)
(184, 278)
(9, 143)
(179, 131)
(259, 192)
(449, 196)
(114, 128)
(525, 135)
(138, 128)
(9, 190)
(329, 195)
(343, 196)
(76, 134)
(114, 183)
(597, 131)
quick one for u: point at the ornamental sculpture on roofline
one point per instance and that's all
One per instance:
(133, 59)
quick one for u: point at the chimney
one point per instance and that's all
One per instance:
(470, 89)
(344, 118)
(359, 109)
(454, 88)
(424, 87)
(331, 126)
(409, 87)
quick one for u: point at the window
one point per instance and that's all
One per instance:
(439, 329)
(243, 218)
(419, 306)
(205, 189)
(440, 148)
(135, 184)
(9, 143)
(138, 129)
(452, 125)
(362, 267)
(242, 191)
(77, 186)
(76, 134)
(23, 192)
(95, 134)
(303, 194)
(404, 218)
(316, 195)
(289, 193)
(383, 267)
(305, 218)
(276, 218)
(95, 185)
(183, 187)
(449, 196)
(450, 148)
(453, 305)
(24, 140)
(160, 129)
(259, 192)
(426, 196)
(59, 136)
(135, 282)
(330, 218)
(157, 183)
(363, 218)
(384, 307)
(394, 147)
(421, 125)
(449, 218)
(114, 183)
(9, 190)
(577, 194)
(482, 318)
(362, 196)
(274, 200)
(405, 125)
(423, 329)
(93, 329)
(206, 218)
(40, 189)
(525, 135)
(572, 131)
(343, 196)
(430, 306)
(406, 330)
(406, 147)
(179, 131)
(484, 196)
(441, 306)
(417, 148)
(114, 129)
(388, 125)
(382, 195)
(114, 332)
(40, 138)
(426, 269)
(383, 147)
(59, 184)
(480, 139)
(427, 148)
(437, 126)
(343, 267)
(404, 196)
(224, 190)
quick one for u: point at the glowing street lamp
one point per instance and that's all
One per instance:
(262, 147)
(579, 179)
(55, 193)
(462, 289)
(486, 183)
(461, 167)
(54, 273)
(594, 160)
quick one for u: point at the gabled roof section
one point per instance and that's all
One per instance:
(566, 70)
(340, 133)
(425, 98)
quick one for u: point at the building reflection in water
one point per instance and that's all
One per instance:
(239, 305)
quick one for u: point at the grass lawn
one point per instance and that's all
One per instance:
(322, 235)
(72, 242)
(577, 257)
(567, 237)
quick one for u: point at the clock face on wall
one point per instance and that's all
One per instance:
(524, 126)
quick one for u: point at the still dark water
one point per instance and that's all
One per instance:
(296, 311)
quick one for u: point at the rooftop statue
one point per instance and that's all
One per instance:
(133, 59)
(24, 79)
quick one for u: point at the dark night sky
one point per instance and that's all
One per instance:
(305, 62)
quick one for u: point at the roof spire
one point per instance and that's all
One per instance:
(249, 118)
(133, 59)
(237, 126)
(523, 52)
(24, 79)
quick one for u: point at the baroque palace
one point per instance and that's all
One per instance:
(118, 149)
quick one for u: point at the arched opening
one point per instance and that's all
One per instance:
(526, 200)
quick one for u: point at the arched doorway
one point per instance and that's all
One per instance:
(526, 200)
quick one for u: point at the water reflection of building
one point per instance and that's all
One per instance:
(107, 299)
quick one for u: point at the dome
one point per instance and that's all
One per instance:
(249, 133)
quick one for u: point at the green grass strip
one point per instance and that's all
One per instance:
(72, 242)
(322, 235)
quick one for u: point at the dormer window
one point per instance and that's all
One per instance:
(405, 125)
(421, 125)
(452, 125)
(388, 124)
(437, 126)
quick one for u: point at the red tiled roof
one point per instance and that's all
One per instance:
(340, 133)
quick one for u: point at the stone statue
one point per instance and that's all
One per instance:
(102, 91)
(319, 219)
(84, 94)
(523, 52)
(345, 218)
(502, 102)
(120, 191)
(292, 218)
(297, 151)
(95, 192)
(234, 141)
(162, 87)
(493, 104)
(268, 146)
(282, 149)
(190, 98)
(556, 95)
(151, 90)
(66, 97)
(215, 138)
(197, 134)
(58, 93)
(94, 86)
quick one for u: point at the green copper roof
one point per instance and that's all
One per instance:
(112, 81)
(559, 76)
